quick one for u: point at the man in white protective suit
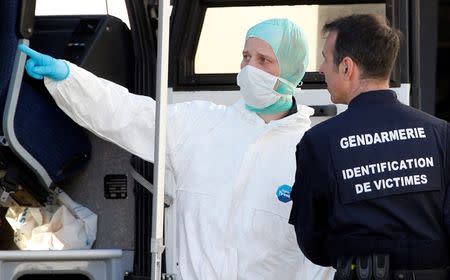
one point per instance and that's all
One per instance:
(231, 168)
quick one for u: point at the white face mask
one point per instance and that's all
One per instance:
(258, 87)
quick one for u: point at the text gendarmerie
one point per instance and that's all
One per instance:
(382, 137)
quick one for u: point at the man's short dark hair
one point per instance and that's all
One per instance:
(367, 39)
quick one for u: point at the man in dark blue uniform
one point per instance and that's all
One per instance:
(371, 189)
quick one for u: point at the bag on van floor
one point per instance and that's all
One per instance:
(67, 225)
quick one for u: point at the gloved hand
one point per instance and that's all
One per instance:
(40, 65)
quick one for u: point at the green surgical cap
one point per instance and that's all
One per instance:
(288, 43)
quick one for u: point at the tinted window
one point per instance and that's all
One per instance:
(223, 32)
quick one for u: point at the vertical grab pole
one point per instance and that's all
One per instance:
(157, 243)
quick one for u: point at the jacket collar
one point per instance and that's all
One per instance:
(386, 96)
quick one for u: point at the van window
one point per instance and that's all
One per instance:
(115, 8)
(219, 50)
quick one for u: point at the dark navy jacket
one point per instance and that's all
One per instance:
(374, 179)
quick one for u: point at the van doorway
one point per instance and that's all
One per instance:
(443, 59)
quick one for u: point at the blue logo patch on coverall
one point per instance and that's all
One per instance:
(284, 193)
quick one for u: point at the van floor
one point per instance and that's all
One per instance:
(6, 232)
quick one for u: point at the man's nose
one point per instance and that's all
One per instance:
(321, 71)
(252, 62)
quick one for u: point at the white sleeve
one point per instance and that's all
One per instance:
(108, 110)
(111, 112)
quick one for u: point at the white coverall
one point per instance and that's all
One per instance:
(226, 164)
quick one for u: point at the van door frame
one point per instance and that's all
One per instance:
(187, 21)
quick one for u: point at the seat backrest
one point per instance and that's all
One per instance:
(8, 44)
(37, 132)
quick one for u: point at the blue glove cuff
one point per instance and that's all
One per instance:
(61, 72)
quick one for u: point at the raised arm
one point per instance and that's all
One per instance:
(103, 107)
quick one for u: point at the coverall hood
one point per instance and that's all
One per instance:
(289, 44)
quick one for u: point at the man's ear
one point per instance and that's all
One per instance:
(347, 67)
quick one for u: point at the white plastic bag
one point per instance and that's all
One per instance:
(69, 226)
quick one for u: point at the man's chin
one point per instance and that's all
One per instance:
(333, 99)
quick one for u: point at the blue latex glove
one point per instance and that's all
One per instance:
(40, 65)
